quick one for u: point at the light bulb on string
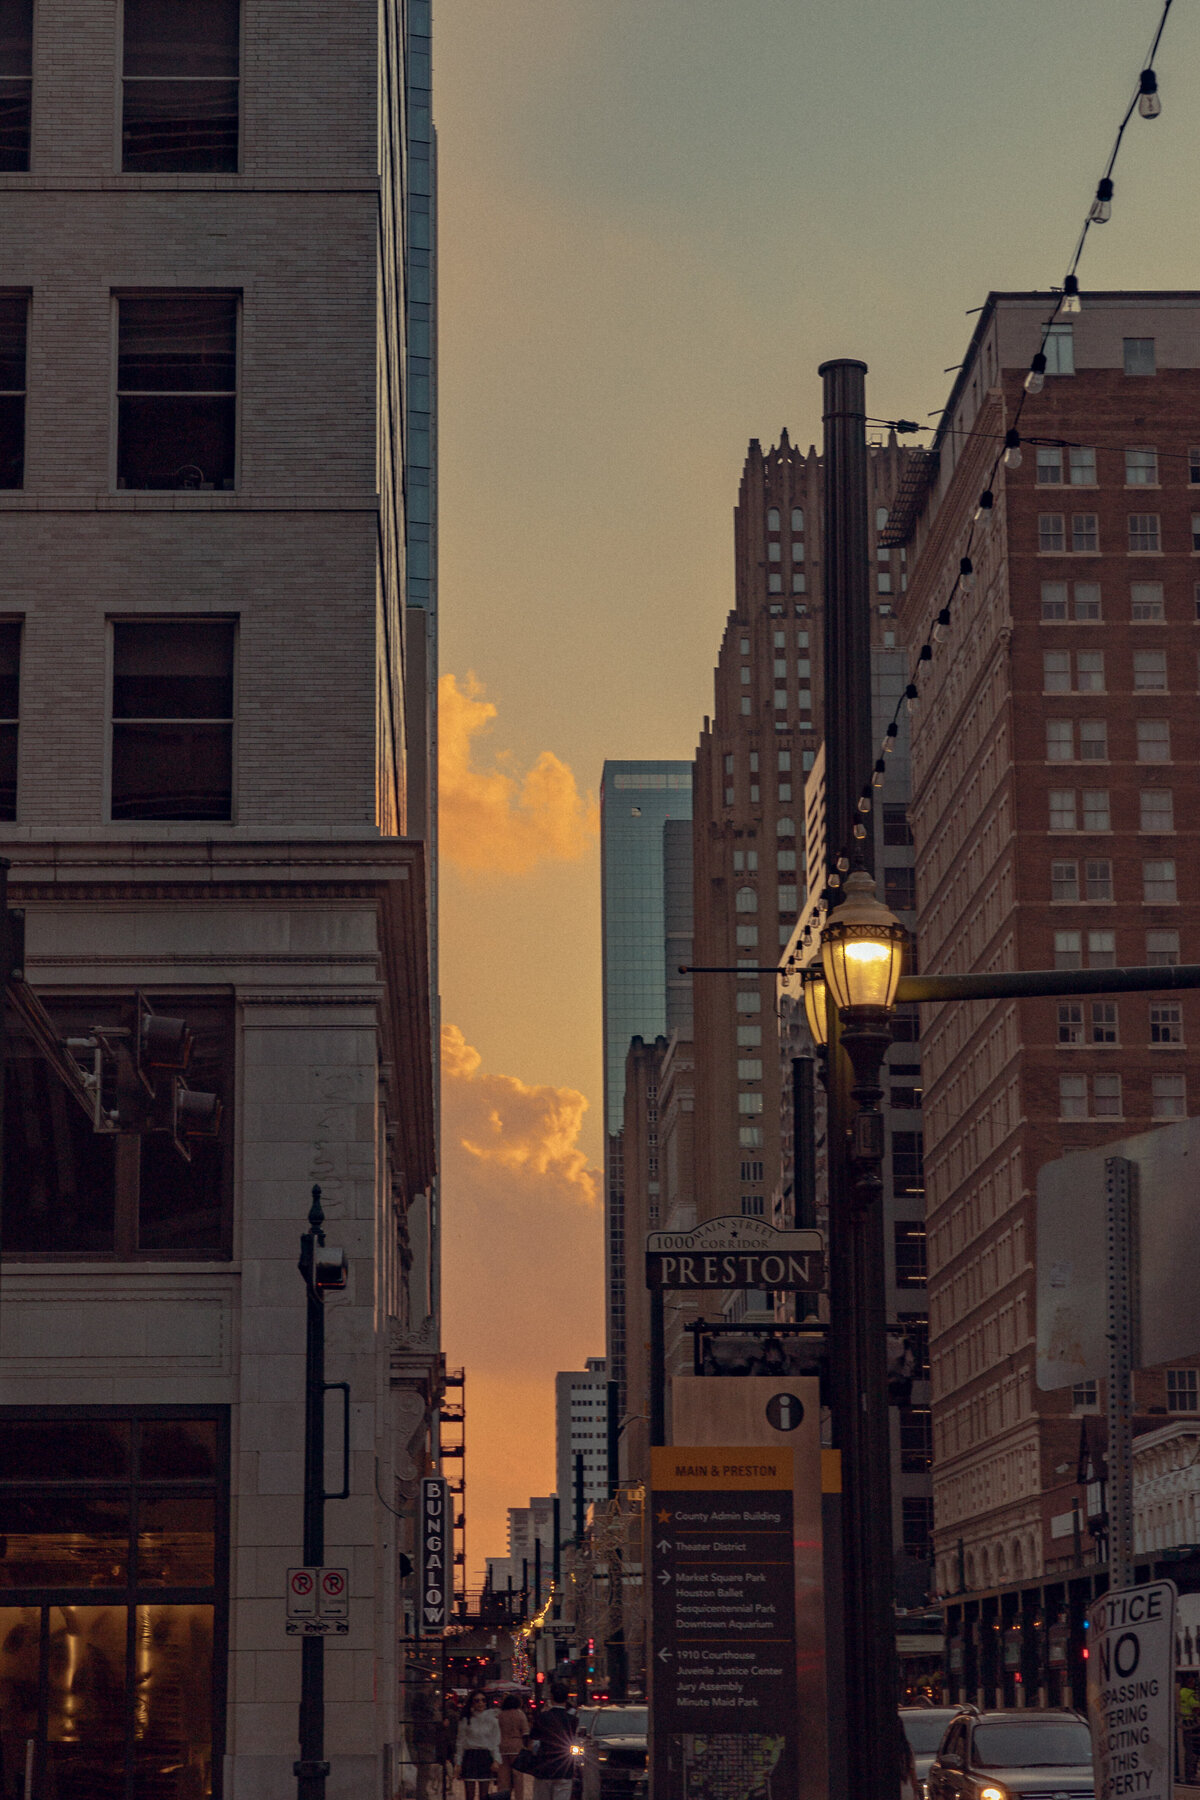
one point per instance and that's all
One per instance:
(1012, 449)
(966, 575)
(941, 625)
(879, 772)
(864, 801)
(1101, 209)
(1035, 381)
(833, 880)
(1149, 104)
(984, 504)
(1070, 302)
(843, 863)
(911, 696)
(860, 830)
(926, 652)
(890, 736)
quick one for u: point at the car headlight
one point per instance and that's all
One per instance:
(576, 1749)
(993, 1792)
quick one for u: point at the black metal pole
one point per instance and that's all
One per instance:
(856, 1270)
(7, 964)
(579, 1496)
(658, 1368)
(312, 1769)
(557, 1568)
(537, 1569)
(614, 1440)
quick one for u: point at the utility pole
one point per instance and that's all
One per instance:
(862, 1761)
(1123, 1288)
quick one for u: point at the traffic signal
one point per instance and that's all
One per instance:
(160, 1044)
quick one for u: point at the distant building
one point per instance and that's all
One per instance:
(581, 1430)
(645, 808)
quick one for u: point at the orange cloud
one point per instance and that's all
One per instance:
(490, 819)
(522, 1274)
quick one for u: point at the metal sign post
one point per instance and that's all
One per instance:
(1131, 1691)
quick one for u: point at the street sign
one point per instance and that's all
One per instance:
(723, 1686)
(732, 1252)
(435, 1557)
(1131, 1691)
(318, 1602)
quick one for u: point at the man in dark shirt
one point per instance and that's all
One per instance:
(554, 1730)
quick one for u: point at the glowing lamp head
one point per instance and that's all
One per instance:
(862, 947)
(812, 981)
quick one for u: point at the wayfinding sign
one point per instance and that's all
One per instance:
(723, 1655)
(436, 1564)
(732, 1252)
(1131, 1691)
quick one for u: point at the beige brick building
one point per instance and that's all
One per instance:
(207, 768)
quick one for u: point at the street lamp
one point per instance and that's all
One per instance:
(812, 987)
(861, 950)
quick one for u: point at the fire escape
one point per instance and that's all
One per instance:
(453, 1427)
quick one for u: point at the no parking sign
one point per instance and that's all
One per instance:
(1131, 1691)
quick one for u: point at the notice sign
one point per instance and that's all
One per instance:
(435, 1554)
(318, 1603)
(735, 1253)
(723, 1689)
(1131, 1691)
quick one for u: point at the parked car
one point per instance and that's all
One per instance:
(614, 1754)
(1033, 1754)
(925, 1727)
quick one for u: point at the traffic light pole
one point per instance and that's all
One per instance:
(312, 1769)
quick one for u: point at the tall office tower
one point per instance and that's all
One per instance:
(581, 1429)
(206, 781)
(1055, 803)
(750, 768)
(637, 802)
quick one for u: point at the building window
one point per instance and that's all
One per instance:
(1144, 533)
(749, 1068)
(1049, 465)
(1162, 949)
(1098, 880)
(181, 86)
(785, 791)
(16, 84)
(1106, 1096)
(747, 937)
(1153, 740)
(1096, 816)
(1102, 949)
(1085, 532)
(900, 889)
(749, 1002)
(1083, 465)
(744, 674)
(1149, 671)
(896, 829)
(750, 1137)
(1070, 1022)
(752, 1171)
(787, 898)
(1089, 671)
(1104, 1022)
(729, 796)
(1059, 350)
(1194, 465)
(172, 719)
(1168, 1097)
(774, 583)
(1085, 1396)
(1064, 881)
(798, 582)
(1158, 882)
(177, 391)
(1060, 740)
(1141, 468)
(745, 705)
(14, 313)
(1166, 1022)
(916, 1440)
(1054, 600)
(883, 581)
(1183, 1390)
(1052, 532)
(785, 827)
(785, 861)
(74, 1191)
(749, 1037)
(798, 519)
(750, 1103)
(10, 705)
(1157, 809)
(1093, 740)
(1068, 950)
(1087, 602)
(1072, 1097)
(1139, 356)
(773, 518)
(774, 552)
(747, 900)
(115, 1689)
(909, 1239)
(1062, 809)
(797, 550)
(1146, 602)
(906, 1024)
(908, 1168)
(753, 1206)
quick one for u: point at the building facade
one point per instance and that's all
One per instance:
(1054, 810)
(214, 743)
(640, 863)
(581, 1430)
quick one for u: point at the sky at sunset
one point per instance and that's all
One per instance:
(657, 217)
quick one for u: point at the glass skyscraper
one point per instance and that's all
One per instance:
(637, 799)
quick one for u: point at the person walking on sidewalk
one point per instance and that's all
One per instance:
(514, 1734)
(556, 1728)
(477, 1757)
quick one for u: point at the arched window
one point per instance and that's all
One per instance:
(797, 518)
(773, 519)
(881, 517)
(747, 900)
(1018, 1560)
(785, 827)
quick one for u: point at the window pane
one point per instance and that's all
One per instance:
(1139, 356)
(1153, 740)
(20, 1666)
(1102, 949)
(186, 127)
(1146, 600)
(1162, 949)
(85, 1722)
(1049, 465)
(1141, 468)
(1087, 600)
(1064, 881)
(172, 1746)
(1169, 1098)
(181, 1203)
(1089, 671)
(1056, 671)
(178, 669)
(1095, 810)
(64, 1540)
(177, 1449)
(184, 343)
(1083, 466)
(16, 87)
(59, 1182)
(1060, 350)
(1093, 740)
(181, 37)
(1158, 809)
(1062, 809)
(176, 444)
(172, 772)
(1060, 740)
(1084, 531)
(1051, 531)
(1054, 599)
(1072, 1097)
(1068, 950)
(42, 1450)
(176, 1535)
(1149, 671)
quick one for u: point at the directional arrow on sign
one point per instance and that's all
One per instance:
(664, 1544)
(665, 1655)
(664, 1574)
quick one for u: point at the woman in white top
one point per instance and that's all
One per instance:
(477, 1754)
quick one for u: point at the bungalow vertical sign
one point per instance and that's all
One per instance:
(435, 1553)
(734, 1252)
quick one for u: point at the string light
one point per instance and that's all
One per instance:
(1147, 103)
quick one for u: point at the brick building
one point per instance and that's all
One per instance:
(1055, 814)
(216, 735)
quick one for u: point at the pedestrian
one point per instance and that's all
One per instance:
(556, 1728)
(477, 1757)
(427, 1741)
(514, 1735)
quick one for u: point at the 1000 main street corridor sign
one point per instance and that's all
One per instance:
(1131, 1691)
(736, 1253)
